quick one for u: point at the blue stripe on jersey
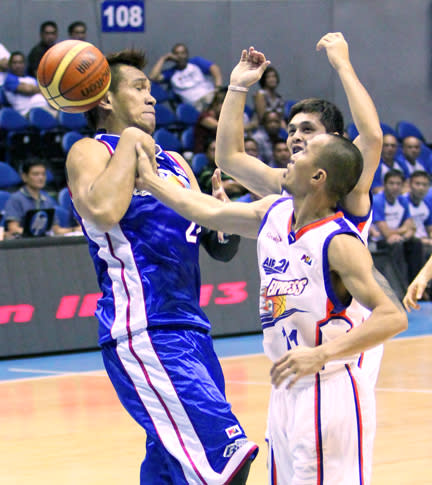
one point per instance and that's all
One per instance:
(359, 424)
(148, 264)
(356, 220)
(343, 229)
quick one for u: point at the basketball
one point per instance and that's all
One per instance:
(73, 76)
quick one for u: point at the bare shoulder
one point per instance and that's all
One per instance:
(346, 251)
(263, 205)
(85, 160)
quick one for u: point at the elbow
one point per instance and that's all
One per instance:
(400, 322)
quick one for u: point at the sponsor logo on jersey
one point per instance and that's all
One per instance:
(171, 177)
(233, 447)
(274, 237)
(233, 431)
(291, 287)
(305, 258)
(272, 266)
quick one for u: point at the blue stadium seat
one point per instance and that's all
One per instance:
(188, 139)
(21, 140)
(167, 140)
(69, 139)
(72, 121)
(9, 178)
(388, 130)
(406, 128)
(160, 93)
(4, 196)
(199, 161)
(63, 216)
(50, 133)
(187, 114)
(289, 103)
(165, 117)
(249, 111)
(64, 198)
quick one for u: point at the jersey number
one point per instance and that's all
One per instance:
(291, 339)
(192, 233)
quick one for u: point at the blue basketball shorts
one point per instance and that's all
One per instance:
(171, 383)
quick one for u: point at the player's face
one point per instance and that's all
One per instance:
(35, 178)
(301, 129)
(133, 103)
(297, 178)
(419, 187)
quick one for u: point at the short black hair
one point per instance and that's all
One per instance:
(48, 23)
(330, 115)
(74, 25)
(126, 57)
(29, 163)
(14, 54)
(394, 173)
(420, 173)
(343, 163)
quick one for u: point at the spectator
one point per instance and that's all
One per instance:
(394, 231)
(281, 154)
(48, 32)
(267, 98)
(189, 77)
(388, 162)
(232, 188)
(411, 148)
(21, 91)
(421, 209)
(30, 196)
(77, 30)
(267, 134)
(4, 59)
(205, 128)
(251, 147)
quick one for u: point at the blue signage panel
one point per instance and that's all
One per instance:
(123, 16)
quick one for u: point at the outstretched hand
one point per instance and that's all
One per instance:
(336, 47)
(414, 293)
(250, 68)
(296, 363)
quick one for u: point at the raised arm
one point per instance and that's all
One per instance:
(364, 115)
(230, 154)
(102, 185)
(156, 71)
(387, 316)
(232, 218)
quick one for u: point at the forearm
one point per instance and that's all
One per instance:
(156, 72)
(383, 324)
(27, 89)
(232, 218)
(230, 155)
(362, 108)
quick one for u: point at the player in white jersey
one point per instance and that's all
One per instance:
(312, 263)
(307, 118)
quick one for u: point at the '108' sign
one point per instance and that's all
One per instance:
(123, 16)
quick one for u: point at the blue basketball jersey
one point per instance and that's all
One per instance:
(147, 264)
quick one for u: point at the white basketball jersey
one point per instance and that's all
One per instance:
(297, 303)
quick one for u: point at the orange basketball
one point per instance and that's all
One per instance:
(73, 76)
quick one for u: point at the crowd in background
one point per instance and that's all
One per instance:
(401, 229)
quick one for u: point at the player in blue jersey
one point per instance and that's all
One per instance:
(321, 421)
(154, 336)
